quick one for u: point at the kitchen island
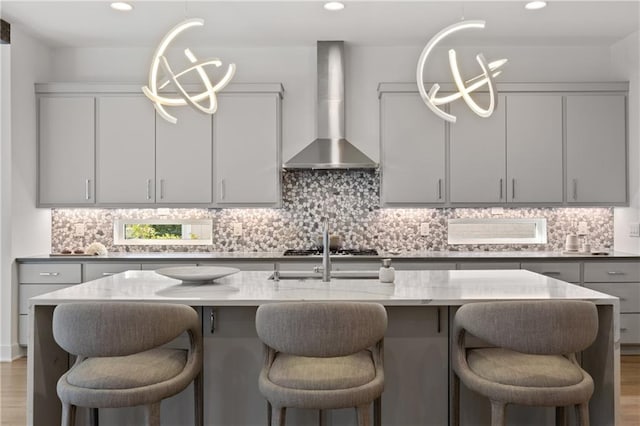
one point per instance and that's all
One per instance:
(420, 305)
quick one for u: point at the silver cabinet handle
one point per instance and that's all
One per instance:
(49, 274)
(161, 189)
(551, 273)
(623, 329)
(148, 189)
(622, 299)
(513, 189)
(106, 274)
(500, 183)
(222, 194)
(615, 273)
(575, 189)
(87, 189)
(212, 321)
(438, 328)
(439, 189)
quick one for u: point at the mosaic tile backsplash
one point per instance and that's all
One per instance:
(350, 199)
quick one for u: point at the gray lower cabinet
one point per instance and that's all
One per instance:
(246, 149)
(66, 144)
(412, 145)
(416, 364)
(565, 271)
(37, 279)
(125, 150)
(477, 155)
(596, 166)
(620, 279)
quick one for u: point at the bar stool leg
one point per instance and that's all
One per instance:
(582, 414)
(68, 415)
(152, 414)
(497, 413)
(561, 418)
(94, 417)
(362, 413)
(198, 390)
(278, 416)
(377, 411)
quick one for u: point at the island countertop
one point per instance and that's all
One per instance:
(252, 288)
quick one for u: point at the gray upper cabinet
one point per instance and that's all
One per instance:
(66, 144)
(246, 141)
(412, 151)
(596, 149)
(534, 148)
(477, 149)
(125, 154)
(184, 158)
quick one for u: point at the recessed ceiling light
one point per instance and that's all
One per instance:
(334, 5)
(120, 5)
(535, 5)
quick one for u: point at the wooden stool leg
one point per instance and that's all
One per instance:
(561, 418)
(377, 411)
(497, 413)
(582, 414)
(279, 415)
(68, 415)
(94, 417)
(269, 413)
(152, 414)
(362, 413)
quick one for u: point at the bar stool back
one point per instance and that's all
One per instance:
(534, 358)
(322, 355)
(119, 359)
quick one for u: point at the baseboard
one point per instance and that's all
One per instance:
(12, 352)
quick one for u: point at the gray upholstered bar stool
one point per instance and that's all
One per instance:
(534, 358)
(119, 359)
(322, 356)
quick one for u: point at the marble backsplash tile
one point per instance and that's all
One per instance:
(350, 199)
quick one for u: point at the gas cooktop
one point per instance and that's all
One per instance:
(338, 252)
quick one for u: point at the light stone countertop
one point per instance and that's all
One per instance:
(273, 256)
(439, 288)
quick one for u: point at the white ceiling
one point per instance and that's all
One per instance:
(301, 23)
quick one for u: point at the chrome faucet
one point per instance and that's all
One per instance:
(326, 260)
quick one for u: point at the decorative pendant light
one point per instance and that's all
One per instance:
(160, 60)
(489, 71)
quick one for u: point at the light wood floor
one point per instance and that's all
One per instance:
(13, 391)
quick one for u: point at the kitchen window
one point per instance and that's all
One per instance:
(497, 231)
(162, 232)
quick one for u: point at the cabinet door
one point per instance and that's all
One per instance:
(246, 149)
(412, 151)
(183, 158)
(125, 150)
(477, 155)
(66, 174)
(596, 149)
(534, 148)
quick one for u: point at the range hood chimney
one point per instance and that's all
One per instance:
(330, 150)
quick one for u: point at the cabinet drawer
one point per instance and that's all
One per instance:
(93, 271)
(630, 329)
(50, 273)
(154, 266)
(489, 265)
(27, 291)
(595, 272)
(563, 271)
(628, 293)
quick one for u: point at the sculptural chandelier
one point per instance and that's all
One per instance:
(183, 98)
(465, 88)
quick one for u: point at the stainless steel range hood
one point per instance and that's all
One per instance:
(330, 150)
